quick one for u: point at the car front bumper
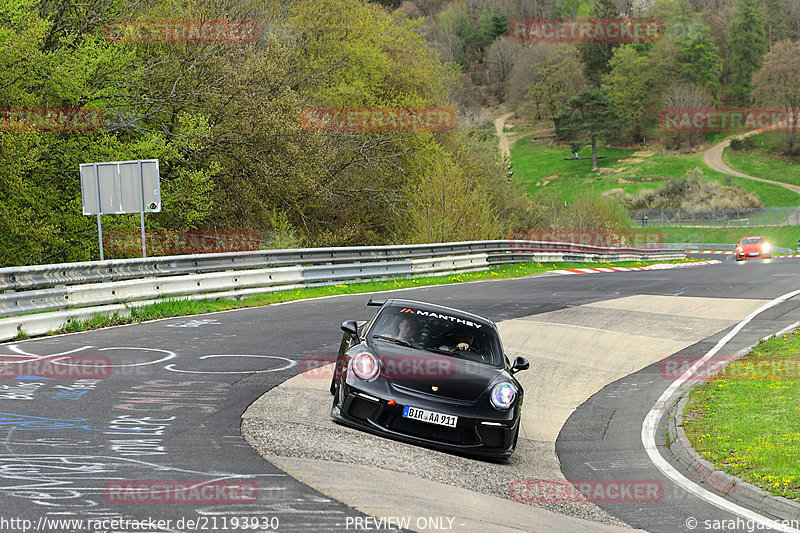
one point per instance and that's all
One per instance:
(482, 436)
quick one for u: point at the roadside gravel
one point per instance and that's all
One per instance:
(294, 422)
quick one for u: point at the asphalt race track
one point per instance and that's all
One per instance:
(166, 418)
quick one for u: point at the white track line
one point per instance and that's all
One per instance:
(650, 424)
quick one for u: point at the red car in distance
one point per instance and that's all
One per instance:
(756, 246)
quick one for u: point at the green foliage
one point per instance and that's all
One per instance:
(629, 85)
(597, 55)
(699, 55)
(593, 211)
(748, 42)
(224, 121)
(572, 9)
(590, 114)
(463, 195)
(777, 84)
(557, 78)
(470, 37)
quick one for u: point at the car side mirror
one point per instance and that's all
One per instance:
(350, 327)
(520, 363)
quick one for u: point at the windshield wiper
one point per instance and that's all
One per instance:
(445, 352)
(396, 341)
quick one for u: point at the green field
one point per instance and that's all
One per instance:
(540, 168)
(744, 420)
(765, 161)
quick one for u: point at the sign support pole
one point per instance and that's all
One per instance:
(99, 223)
(141, 209)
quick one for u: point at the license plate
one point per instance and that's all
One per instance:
(429, 416)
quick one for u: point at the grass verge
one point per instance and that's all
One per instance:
(744, 420)
(765, 160)
(181, 307)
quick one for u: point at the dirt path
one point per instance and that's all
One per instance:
(713, 158)
(500, 128)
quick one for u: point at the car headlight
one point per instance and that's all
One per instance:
(766, 247)
(365, 365)
(503, 395)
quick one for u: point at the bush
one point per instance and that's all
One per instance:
(693, 191)
(744, 144)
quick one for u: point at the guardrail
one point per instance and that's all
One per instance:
(75, 290)
(38, 276)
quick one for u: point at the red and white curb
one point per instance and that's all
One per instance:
(731, 253)
(657, 266)
(709, 252)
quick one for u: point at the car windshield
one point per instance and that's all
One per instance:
(439, 332)
(753, 240)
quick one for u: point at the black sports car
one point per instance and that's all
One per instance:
(429, 375)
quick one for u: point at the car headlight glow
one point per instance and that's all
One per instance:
(365, 365)
(766, 247)
(503, 395)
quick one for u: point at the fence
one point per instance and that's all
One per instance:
(77, 291)
(717, 218)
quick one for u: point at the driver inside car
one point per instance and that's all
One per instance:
(463, 342)
(407, 330)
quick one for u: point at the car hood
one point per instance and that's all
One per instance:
(420, 371)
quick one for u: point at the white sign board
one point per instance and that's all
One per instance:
(119, 187)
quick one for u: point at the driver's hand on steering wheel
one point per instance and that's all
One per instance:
(463, 346)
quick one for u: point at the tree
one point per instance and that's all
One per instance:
(782, 20)
(590, 114)
(573, 9)
(699, 56)
(557, 78)
(467, 38)
(500, 59)
(748, 42)
(685, 96)
(777, 83)
(629, 86)
(597, 55)
(540, 69)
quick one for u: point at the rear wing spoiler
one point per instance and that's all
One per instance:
(375, 303)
